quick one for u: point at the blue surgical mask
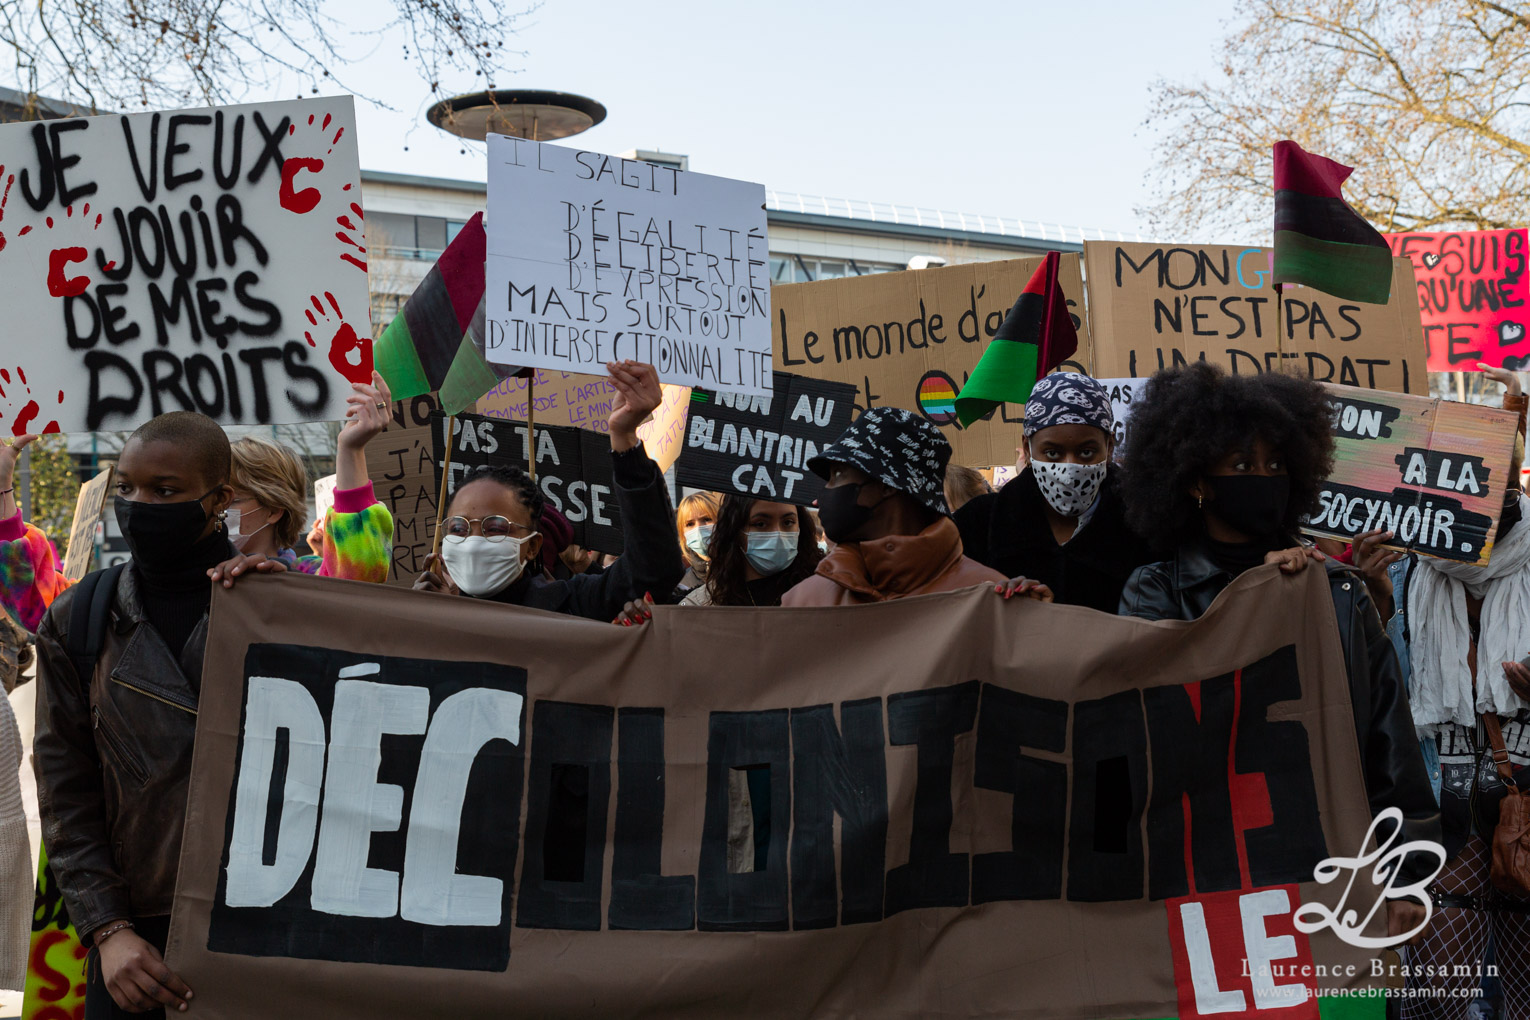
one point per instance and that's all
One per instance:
(771, 552)
(697, 539)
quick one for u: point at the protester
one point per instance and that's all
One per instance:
(1220, 470)
(31, 576)
(271, 499)
(1459, 631)
(963, 485)
(1060, 522)
(694, 522)
(885, 510)
(490, 526)
(113, 742)
(760, 550)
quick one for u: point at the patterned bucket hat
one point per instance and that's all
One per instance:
(896, 447)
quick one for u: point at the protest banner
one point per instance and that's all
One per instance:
(1154, 306)
(584, 401)
(1433, 471)
(760, 446)
(1473, 296)
(911, 339)
(87, 514)
(957, 801)
(573, 469)
(202, 260)
(401, 464)
(596, 258)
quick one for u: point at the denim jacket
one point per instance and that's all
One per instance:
(1397, 630)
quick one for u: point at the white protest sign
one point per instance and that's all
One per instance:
(1123, 395)
(199, 260)
(595, 258)
(323, 496)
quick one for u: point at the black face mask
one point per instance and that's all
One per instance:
(161, 535)
(1252, 504)
(840, 513)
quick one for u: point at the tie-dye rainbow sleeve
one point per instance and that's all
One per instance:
(30, 578)
(358, 537)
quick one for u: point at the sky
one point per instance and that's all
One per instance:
(1016, 109)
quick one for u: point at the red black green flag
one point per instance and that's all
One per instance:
(431, 345)
(1036, 336)
(1319, 240)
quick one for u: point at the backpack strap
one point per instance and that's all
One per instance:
(88, 618)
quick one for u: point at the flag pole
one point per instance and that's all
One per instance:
(531, 425)
(446, 474)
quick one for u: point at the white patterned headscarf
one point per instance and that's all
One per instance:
(1068, 398)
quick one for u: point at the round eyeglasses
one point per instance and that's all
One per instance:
(495, 528)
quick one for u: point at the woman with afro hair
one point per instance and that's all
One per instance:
(1220, 472)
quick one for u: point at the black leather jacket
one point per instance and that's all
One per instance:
(1184, 587)
(113, 761)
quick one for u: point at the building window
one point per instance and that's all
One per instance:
(798, 269)
(411, 237)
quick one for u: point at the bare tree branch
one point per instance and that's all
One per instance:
(122, 55)
(1426, 98)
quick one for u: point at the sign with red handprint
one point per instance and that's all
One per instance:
(206, 260)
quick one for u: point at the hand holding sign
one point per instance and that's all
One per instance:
(9, 454)
(436, 577)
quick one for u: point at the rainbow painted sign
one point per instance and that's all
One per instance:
(937, 397)
(1473, 296)
(1433, 472)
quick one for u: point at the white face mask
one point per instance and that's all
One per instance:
(232, 520)
(1070, 489)
(697, 539)
(482, 568)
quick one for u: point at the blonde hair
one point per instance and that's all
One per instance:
(709, 502)
(273, 475)
(963, 484)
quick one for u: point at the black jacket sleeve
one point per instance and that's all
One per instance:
(973, 520)
(1395, 775)
(1150, 594)
(70, 797)
(650, 560)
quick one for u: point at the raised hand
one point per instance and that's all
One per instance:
(637, 396)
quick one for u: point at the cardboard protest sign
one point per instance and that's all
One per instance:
(401, 464)
(911, 339)
(1433, 471)
(760, 446)
(552, 813)
(87, 514)
(573, 469)
(1154, 306)
(584, 401)
(596, 258)
(1473, 296)
(201, 260)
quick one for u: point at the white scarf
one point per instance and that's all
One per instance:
(1439, 637)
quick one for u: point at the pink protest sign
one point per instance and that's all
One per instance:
(1473, 296)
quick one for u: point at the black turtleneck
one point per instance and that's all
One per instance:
(1236, 557)
(176, 599)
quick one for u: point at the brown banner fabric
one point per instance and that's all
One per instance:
(406, 804)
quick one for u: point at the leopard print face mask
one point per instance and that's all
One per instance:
(1070, 489)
